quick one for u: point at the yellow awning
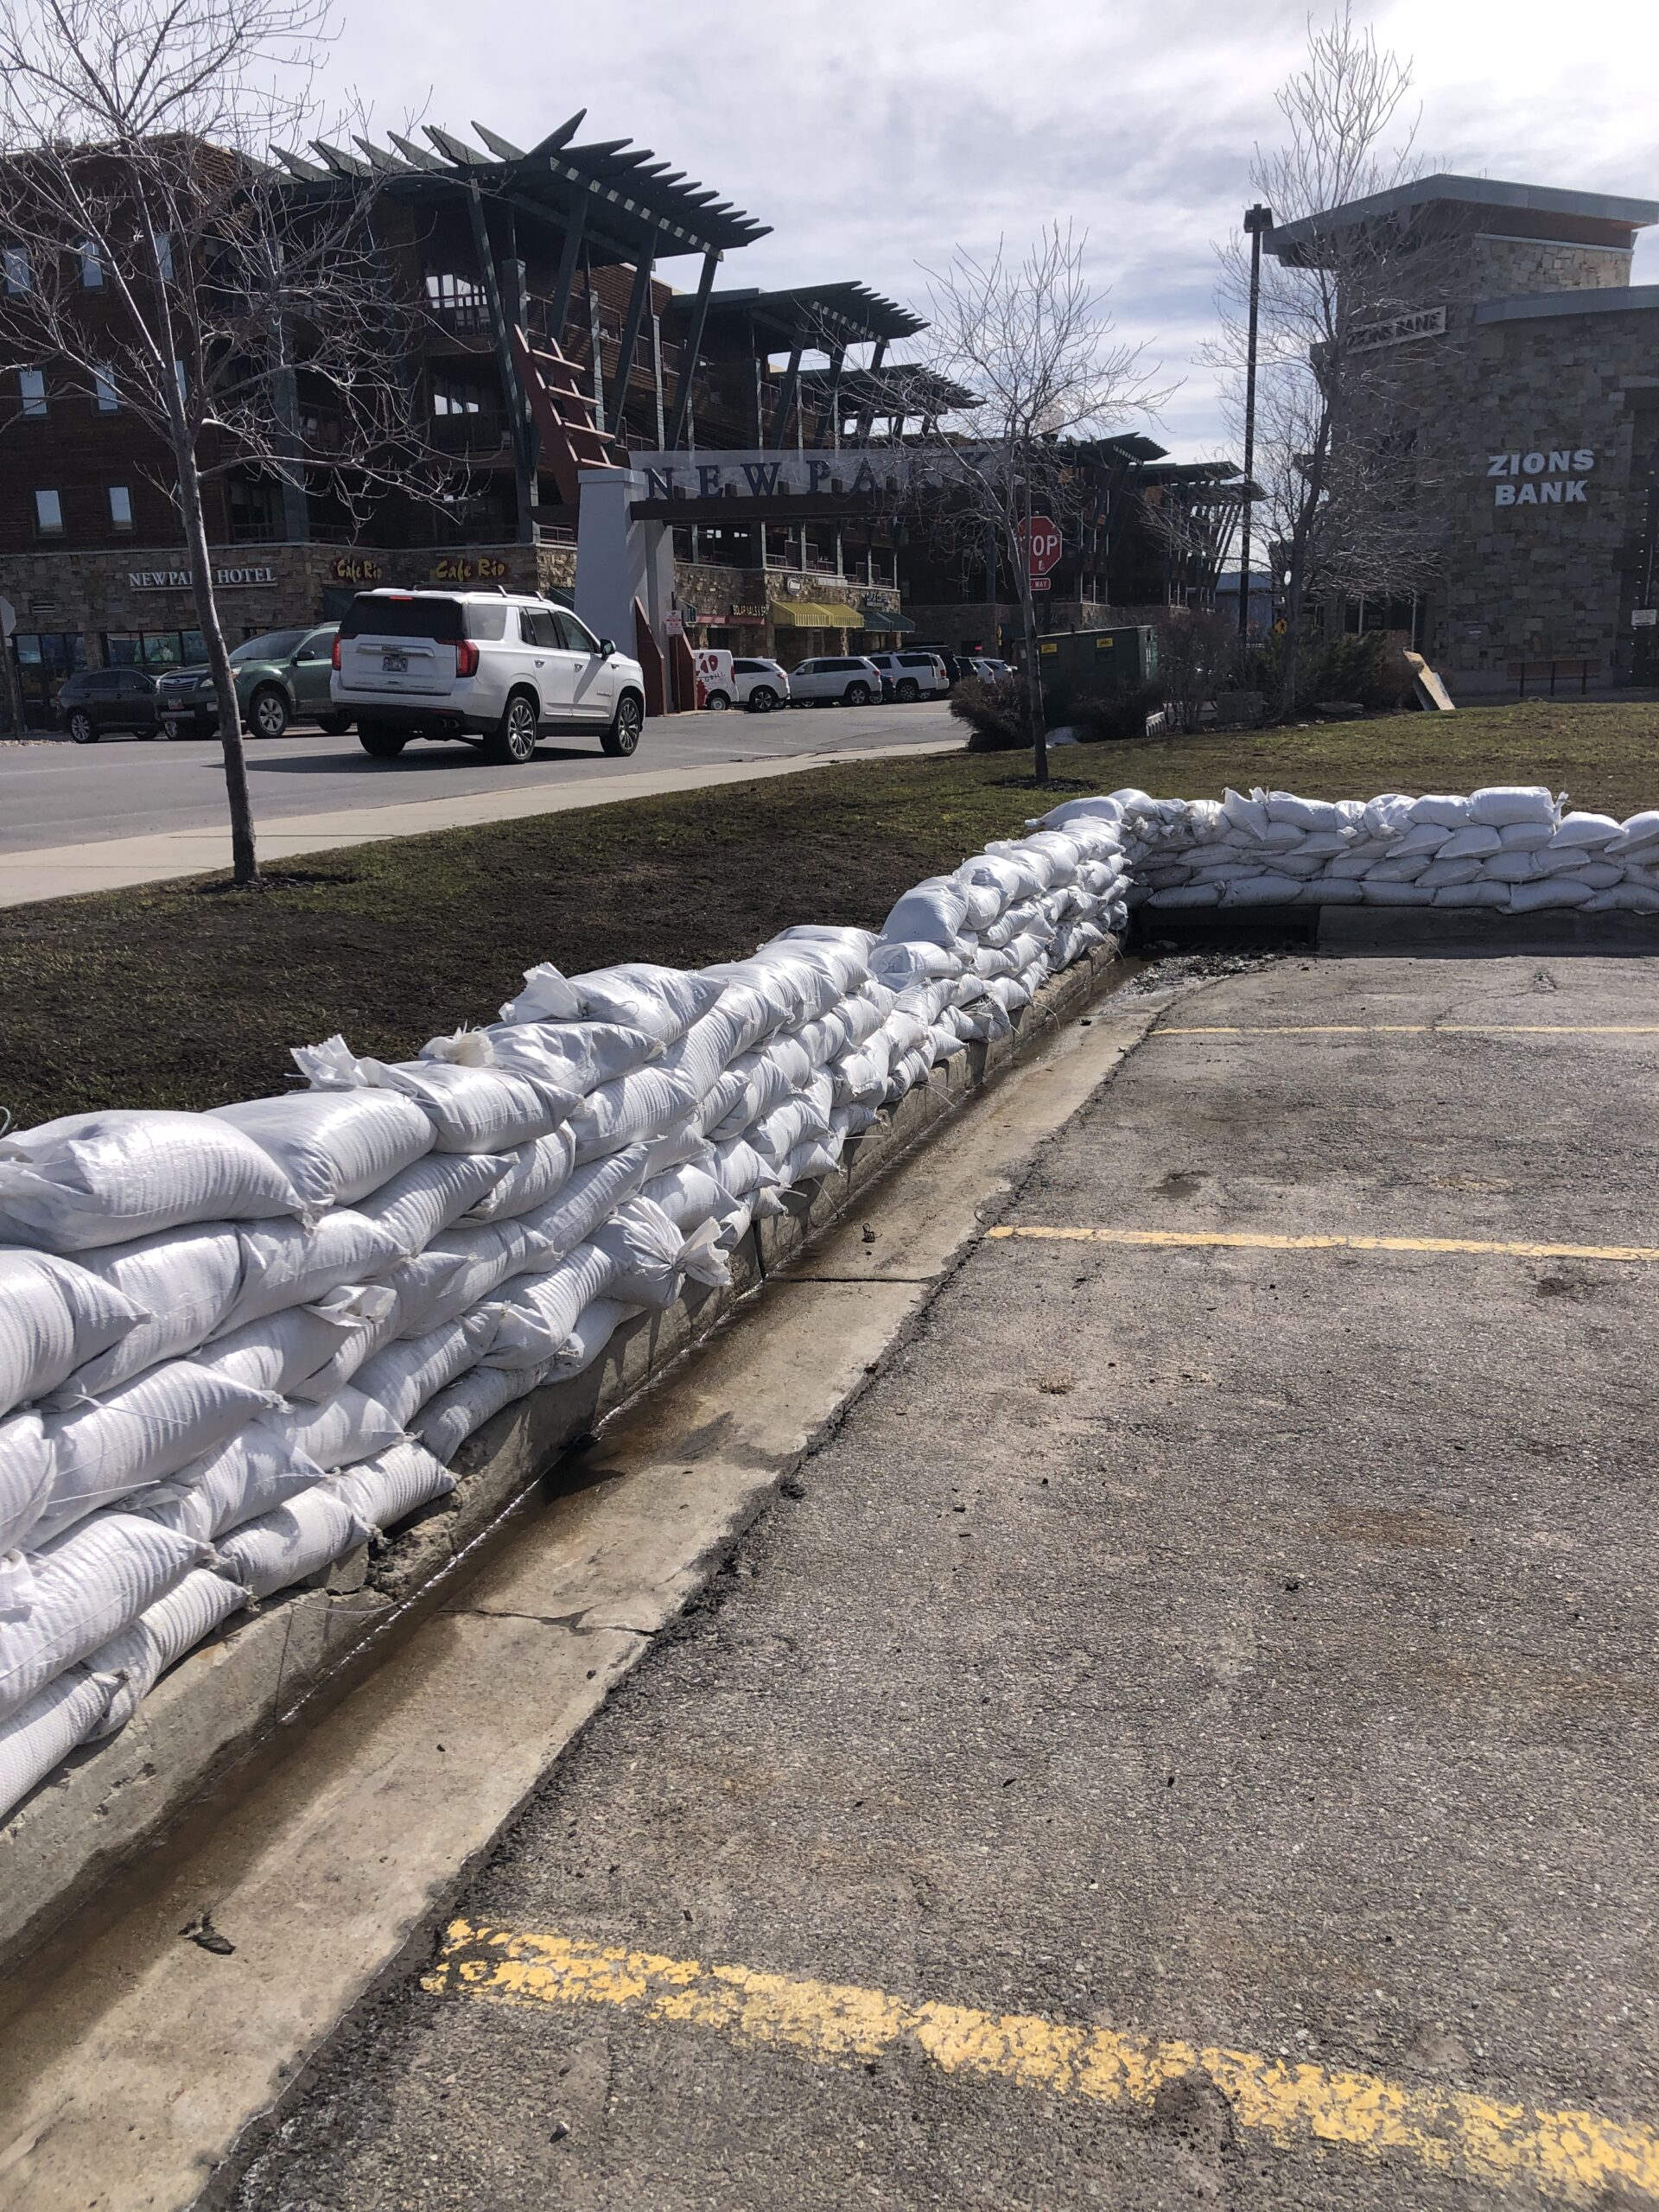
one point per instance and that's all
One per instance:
(815, 614)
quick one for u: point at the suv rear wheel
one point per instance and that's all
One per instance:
(512, 741)
(907, 689)
(857, 694)
(379, 743)
(626, 723)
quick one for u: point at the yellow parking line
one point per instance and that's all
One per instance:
(1411, 1029)
(1575, 2156)
(1251, 1240)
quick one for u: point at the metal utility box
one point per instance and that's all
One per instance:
(1084, 662)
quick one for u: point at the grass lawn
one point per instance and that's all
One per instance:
(187, 994)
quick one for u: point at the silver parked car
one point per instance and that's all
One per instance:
(837, 682)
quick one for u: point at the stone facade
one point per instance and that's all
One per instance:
(747, 610)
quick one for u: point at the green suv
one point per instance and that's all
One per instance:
(280, 678)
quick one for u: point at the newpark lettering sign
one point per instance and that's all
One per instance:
(758, 475)
(1556, 476)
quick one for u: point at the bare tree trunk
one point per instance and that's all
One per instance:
(245, 860)
(1035, 685)
(14, 687)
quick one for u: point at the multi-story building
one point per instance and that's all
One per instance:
(1534, 363)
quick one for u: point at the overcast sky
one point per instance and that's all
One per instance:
(875, 135)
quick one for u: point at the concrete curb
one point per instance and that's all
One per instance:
(110, 1801)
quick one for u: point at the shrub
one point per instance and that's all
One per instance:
(997, 715)
(1111, 718)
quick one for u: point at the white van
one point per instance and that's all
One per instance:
(485, 666)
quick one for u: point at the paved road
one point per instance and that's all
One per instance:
(59, 794)
(1190, 1739)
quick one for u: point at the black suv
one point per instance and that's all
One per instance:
(108, 698)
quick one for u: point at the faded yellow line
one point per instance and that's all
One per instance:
(1411, 1029)
(1576, 2156)
(1252, 1240)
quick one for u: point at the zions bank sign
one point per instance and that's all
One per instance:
(1554, 477)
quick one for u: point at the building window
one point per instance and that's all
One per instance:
(31, 390)
(453, 396)
(45, 660)
(48, 514)
(120, 506)
(92, 267)
(105, 392)
(457, 302)
(154, 648)
(254, 507)
(16, 267)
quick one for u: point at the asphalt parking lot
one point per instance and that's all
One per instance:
(1187, 1736)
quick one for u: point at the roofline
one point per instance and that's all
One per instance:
(1606, 299)
(1466, 191)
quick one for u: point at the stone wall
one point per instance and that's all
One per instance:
(1506, 269)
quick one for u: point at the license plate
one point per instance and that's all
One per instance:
(395, 664)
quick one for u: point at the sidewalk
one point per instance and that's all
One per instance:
(116, 863)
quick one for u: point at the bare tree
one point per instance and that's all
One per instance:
(1348, 467)
(1031, 340)
(157, 260)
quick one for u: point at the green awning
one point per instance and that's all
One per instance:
(887, 618)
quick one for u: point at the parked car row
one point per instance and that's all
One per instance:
(281, 677)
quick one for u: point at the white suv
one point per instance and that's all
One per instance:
(761, 685)
(483, 665)
(826, 682)
(912, 676)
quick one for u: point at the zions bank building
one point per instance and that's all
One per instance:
(1538, 361)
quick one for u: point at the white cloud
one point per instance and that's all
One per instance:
(874, 136)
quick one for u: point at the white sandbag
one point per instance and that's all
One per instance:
(647, 1252)
(80, 1589)
(305, 1351)
(661, 1001)
(1477, 841)
(131, 1663)
(811, 1161)
(900, 966)
(535, 1173)
(334, 1147)
(1304, 813)
(1191, 894)
(1624, 898)
(187, 1282)
(1404, 869)
(54, 1316)
(754, 1084)
(595, 1325)
(740, 1168)
(1637, 833)
(1553, 891)
(633, 1109)
(470, 1108)
(1266, 890)
(1499, 804)
(139, 1433)
(428, 1197)
(284, 1264)
(842, 956)
(572, 1055)
(1509, 867)
(1599, 874)
(931, 913)
(860, 1076)
(1438, 875)
(1473, 894)
(295, 1541)
(445, 1423)
(1332, 891)
(1570, 860)
(592, 1196)
(246, 1476)
(26, 1467)
(456, 1272)
(1445, 809)
(404, 1375)
(804, 1116)
(350, 1426)
(1248, 815)
(386, 1490)
(1525, 837)
(43, 1732)
(88, 1180)
(1593, 831)
(691, 1194)
(1421, 837)
(539, 1311)
(772, 990)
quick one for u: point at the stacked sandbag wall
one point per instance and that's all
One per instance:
(236, 1346)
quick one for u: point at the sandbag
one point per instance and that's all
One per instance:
(1637, 833)
(661, 1001)
(88, 1180)
(131, 1663)
(350, 1426)
(296, 1540)
(246, 1476)
(933, 912)
(595, 1325)
(535, 1173)
(286, 1263)
(54, 1316)
(648, 1252)
(26, 1466)
(571, 1055)
(1499, 804)
(45, 1730)
(140, 1434)
(1578, 828)
(456, 1271)
(435, 1192)
(633, 1109)
(305, 1351)
(403, 1376)
(470, 1108)
(445, 1423)
(334, 1147)
(387, 1489)
(1553, 891)
(187, 1282)
(81, 1588)
(538, 1311)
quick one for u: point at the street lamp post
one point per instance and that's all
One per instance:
(1258, 220)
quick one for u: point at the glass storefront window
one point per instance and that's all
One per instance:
(45, 660)
(153, 648)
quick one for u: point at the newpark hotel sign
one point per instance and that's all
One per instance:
(1548, 476)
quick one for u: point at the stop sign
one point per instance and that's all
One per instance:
(1042, 538)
